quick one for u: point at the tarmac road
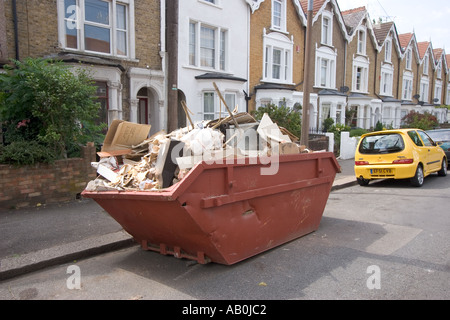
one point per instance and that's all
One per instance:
(385, 241)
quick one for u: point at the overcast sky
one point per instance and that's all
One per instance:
(429, 19)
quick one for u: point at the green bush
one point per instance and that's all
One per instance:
(417, 120)
(49, 103)
(358, 132)
(26, 153)
(283, 116)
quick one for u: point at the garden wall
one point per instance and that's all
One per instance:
(61, 181)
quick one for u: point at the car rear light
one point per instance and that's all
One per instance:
(361, 163)
(403, 161)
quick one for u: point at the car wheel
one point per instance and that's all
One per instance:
(417, 180)
(443, 171)
(363, 182)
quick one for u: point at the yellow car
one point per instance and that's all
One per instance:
(398, 154)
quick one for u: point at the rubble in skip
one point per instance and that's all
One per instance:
(131, 160)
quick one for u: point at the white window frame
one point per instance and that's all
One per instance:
(327, 37)
(387, 80)
(388, 50)
(447, 102)
(426, 65)
(277, 41)
(408, 59)
(220, 54)
(282, 25)
(218, 112)
(362, 43)
(78, 20)
(328, 55)
(424, 89)
(408, 80)
(362, 64)
(439, 69)
(438, 92)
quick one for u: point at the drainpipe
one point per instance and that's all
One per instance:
(304, 140)
(172, 8)
(16, 28)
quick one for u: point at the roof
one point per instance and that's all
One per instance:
(438, 53)
(405, 39)
(219, 76)
(381, 31)
(353, 18)
(423, 47)
(317, 5)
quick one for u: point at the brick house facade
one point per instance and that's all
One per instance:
(119, 41)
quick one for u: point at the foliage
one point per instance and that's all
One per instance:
(283, 116)
(417, 120)
(336, 130)
(358, 132)
(327, 124)
(378, 126)
(47, 102)
(26, 153)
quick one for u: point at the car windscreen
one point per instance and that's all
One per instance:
(382, 143)
(439, 135)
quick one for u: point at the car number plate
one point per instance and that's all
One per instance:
(380, 171)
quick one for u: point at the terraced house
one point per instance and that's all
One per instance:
(148, 56)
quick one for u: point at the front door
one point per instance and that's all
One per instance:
(143, 116)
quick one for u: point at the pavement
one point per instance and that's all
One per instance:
(39, 237)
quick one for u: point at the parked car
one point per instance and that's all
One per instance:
(442, 138)
(398, 154)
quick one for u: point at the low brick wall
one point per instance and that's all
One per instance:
(46, 183)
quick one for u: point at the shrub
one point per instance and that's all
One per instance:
(26, 153)
(47, 101)
(417, 120)
(283, 116)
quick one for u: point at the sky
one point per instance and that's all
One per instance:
(428, 19)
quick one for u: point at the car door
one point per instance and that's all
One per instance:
(434, 156)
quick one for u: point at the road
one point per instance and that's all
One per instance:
(385, 241)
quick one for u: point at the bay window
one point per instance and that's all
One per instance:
(277, 57)
(98, 26)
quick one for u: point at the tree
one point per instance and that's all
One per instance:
(47, 102)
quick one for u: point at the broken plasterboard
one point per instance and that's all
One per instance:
(270, 130)
(123, 135)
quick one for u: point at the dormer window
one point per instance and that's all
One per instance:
(425, 65)
(388, 50)
(327, 29)
(408, 59)
(279, 15)
(439, 70)
(362, 42)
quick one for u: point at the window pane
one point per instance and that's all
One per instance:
(323, 73)
(121, 17)
(209, 102)
(276, 61)
(277, 14)
(207, 44)
(70, 9)
(97, 39)
(192, 43)
(222, 49)
(97, 11)
(121, 43)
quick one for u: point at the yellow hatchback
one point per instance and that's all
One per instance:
(398, 154)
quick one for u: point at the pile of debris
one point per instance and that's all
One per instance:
(130, 160)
